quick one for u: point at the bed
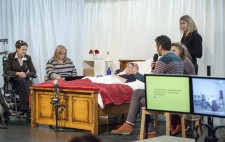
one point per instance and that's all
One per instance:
(79, 107)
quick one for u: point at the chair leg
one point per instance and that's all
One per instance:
(167, 123)
(142, 133)
(183, 127)
(198, 122)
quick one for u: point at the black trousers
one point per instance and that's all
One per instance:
(22, 87)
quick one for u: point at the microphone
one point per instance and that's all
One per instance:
(56, 87)
(155, 58)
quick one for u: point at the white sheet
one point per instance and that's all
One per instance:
(108, 79)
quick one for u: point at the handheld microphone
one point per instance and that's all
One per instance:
(155, 58)
(55, 87)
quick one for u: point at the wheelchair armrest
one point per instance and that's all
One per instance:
(34, 76)
(8, 76)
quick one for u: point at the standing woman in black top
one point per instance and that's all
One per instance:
(20, 65)
(191, 39)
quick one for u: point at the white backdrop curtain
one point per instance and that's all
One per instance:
(125, 28)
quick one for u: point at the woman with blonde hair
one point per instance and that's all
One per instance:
(191, 39)
(60, 66)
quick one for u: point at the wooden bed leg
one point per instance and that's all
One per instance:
(95, 115)
(33, 109)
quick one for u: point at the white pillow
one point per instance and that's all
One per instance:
(144, 67)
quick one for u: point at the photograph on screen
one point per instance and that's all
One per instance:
(168, 93)
(208, 96)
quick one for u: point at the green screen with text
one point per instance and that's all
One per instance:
(168, 93)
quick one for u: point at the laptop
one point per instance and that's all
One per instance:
(70, 78)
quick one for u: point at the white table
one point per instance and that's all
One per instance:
(167, 139)
(98, 66)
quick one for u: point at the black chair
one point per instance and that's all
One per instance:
(11, 94)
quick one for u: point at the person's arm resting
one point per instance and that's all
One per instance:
(139, 76)
(50, 71)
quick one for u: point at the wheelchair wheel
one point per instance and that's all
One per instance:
(220, 133)
(203, 133)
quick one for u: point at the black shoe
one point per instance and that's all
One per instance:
(25, 114)
(28, 115)
(12, 113)
(3, 126)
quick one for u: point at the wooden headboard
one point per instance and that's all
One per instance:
(123, 63)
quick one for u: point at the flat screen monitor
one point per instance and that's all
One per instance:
(207, 95)
(168, 93)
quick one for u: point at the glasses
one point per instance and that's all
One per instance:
(62, 53)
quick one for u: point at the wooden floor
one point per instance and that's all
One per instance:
(20, 131)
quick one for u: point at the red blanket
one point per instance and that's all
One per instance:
(110, 93)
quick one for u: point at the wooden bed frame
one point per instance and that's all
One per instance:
(79, 108)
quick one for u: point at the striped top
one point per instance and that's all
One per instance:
(169, 64)
(54, 68)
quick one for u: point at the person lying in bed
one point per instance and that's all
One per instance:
(129, 73)
(123, 77)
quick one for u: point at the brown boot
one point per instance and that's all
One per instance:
(125, 129)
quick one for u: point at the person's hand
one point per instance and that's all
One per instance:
(57, 77)
(21, 74)
(134, 70)
(153, 64)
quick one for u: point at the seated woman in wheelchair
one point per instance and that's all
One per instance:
(19, 65)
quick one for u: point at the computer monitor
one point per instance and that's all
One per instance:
(168, 93)
(207, 95)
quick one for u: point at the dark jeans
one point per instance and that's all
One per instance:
(137, 101)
